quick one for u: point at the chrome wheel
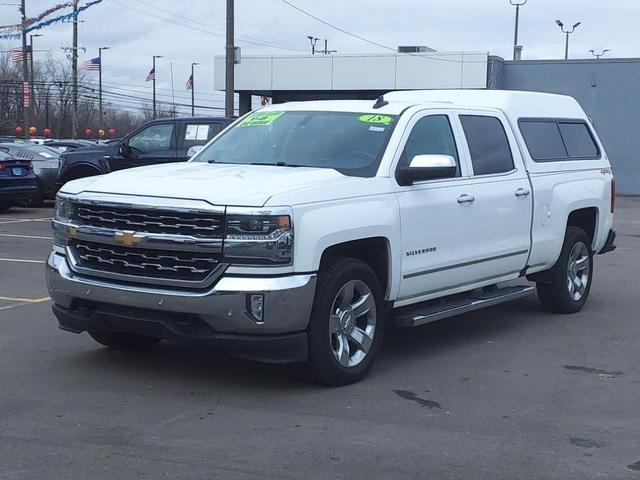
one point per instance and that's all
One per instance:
(578, 271)
(352, 323)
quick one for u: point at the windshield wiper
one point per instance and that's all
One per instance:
(279, 164)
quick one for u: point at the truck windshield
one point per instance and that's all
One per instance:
(351, 143)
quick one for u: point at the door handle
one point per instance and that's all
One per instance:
(522, 192)
(464, 198)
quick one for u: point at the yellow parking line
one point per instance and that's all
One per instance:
(24, 300)
(20, 260)
(25, 220)
(36, 237)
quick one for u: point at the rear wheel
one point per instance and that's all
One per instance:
(347, 322)
(123, 340)
(571, 276)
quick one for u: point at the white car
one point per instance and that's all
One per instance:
(302, 228)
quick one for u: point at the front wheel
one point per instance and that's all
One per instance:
(571, 275)
(347, 322)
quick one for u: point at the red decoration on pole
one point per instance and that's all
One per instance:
(33, 130)
(112, 132)
(26, 94)
(47, 132)
(101, 133)
(19, 130)
(88, 132)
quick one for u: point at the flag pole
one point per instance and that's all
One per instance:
(101, 113)
(193, 93)
(154, 87)
(173, 95)
(26, 93)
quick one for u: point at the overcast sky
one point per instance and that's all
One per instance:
(187, 31)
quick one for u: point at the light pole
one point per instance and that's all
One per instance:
(154, 84)
(313, 41)
(567, 32)
(601, 54)
(193, 90)
(26, 93)
(100, 119)
(517, 4)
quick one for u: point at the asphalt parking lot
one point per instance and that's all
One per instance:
(505, 393)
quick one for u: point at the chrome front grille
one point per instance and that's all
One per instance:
(143, 262)
(199, 224)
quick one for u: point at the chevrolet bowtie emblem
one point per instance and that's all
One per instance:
(127, 239)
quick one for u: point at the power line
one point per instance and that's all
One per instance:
(364, 39)
(190, 23)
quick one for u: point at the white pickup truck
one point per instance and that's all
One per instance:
(302, 228)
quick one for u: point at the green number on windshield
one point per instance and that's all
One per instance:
(377, 119)
(260, 119)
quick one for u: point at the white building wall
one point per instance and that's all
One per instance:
(357, 72)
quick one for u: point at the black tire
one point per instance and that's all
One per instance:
(331, 279)
(556, 296)
(123, 340)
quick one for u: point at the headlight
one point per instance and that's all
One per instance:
(61, 215)
(62, 210)
(259, 236)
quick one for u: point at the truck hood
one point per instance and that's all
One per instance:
(219, 184)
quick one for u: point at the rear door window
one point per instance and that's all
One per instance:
(488, 144)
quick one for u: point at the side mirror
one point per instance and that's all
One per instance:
(193, 150)
(427, 167)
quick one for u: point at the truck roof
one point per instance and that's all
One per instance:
(516, 104)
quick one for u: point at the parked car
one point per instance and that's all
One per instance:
(298, 232)
(65, 145)
(46, 162)
(160, 141)
(17, 181)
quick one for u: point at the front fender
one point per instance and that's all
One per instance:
(319, 226)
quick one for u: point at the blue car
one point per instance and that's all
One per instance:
(18, 183)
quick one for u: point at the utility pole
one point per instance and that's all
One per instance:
(230, 61)
(74, 69)
(154, 84)
(193, 90)
(517, 4)
(26, 93)
(100, 118)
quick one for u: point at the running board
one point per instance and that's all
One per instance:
(416, 315)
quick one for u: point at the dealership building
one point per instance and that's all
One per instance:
(608, 89)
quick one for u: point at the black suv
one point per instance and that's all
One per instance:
(160, 141)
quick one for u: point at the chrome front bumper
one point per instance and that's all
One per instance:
(287, 299)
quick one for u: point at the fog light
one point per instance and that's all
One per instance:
(256, 307)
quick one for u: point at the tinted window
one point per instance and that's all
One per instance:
(153, 138)
(430, 135)
(543, 140)
(578, 140)
(488, 144)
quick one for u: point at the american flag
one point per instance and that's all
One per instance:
(190, 83)
(93, 64)
(151, 76)
(16, 54)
